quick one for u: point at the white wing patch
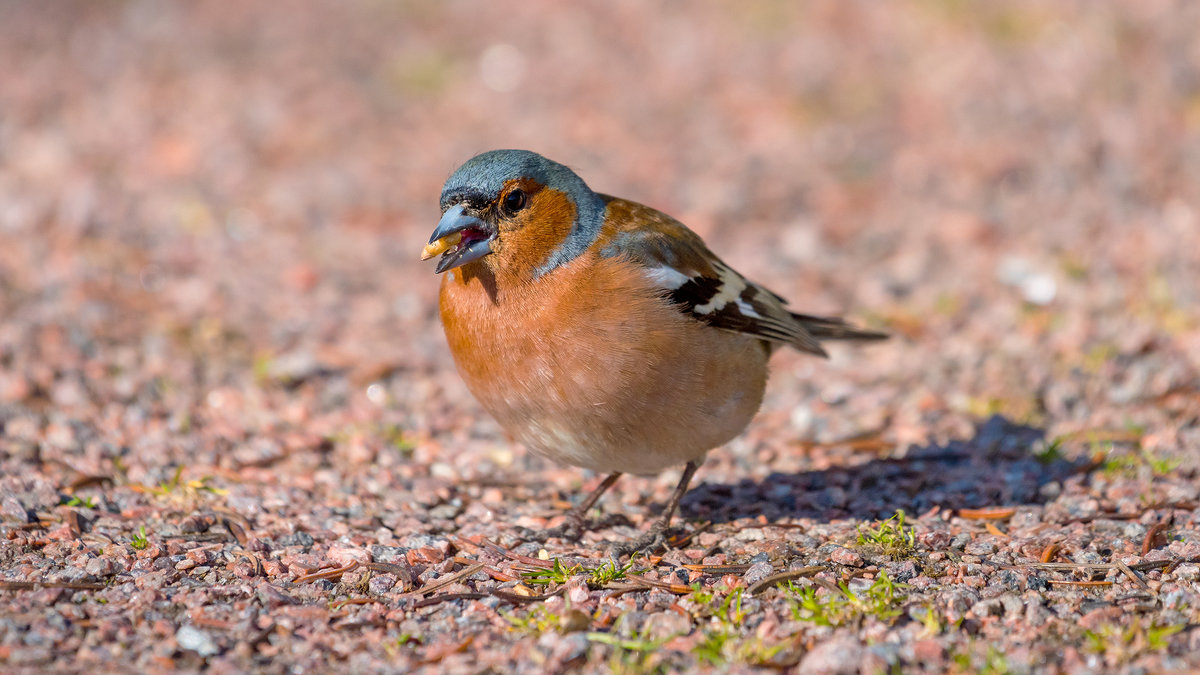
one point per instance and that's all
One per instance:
(732, 287)
(667, 277)
(748, 309)
(729, 288)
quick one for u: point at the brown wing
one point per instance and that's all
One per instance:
(703, 286)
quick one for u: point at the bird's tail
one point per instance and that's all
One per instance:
(833, 328)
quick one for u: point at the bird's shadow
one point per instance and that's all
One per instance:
(998, 466)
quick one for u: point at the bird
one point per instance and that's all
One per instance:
(599, 332)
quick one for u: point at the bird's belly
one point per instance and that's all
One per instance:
(648, 446)
(637, 401)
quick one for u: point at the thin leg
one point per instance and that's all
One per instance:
(576, 522)
(579, 511)
(673, 503)
(657, 536)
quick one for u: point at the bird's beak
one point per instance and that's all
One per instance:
(459, 238)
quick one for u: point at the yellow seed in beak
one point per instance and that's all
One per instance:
(439, 247)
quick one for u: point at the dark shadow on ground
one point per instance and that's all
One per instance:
(996, 467)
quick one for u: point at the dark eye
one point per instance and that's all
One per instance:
(514, 201)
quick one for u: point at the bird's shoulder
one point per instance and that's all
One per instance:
(678, 262)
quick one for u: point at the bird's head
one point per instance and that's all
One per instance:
(515, 212)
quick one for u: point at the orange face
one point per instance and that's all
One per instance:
(528, 236)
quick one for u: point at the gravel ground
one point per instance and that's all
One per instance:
(232, 438)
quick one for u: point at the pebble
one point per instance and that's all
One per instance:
(844, 556)
(1188, 572)
(757, 572)
(980, 547)
(928, 652)
(577, 591)
(838, 656)
(101, 567)
(344, 554)
(750, 534)
(197, 640)
(12, 510)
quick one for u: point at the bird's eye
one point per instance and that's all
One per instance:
(514, 201)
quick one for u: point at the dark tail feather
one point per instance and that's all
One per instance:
(833, 328)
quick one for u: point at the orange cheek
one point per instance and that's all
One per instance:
(527, 242)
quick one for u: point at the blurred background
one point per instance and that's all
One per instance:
(211, 212)
(216, 336)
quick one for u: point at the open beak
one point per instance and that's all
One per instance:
(459, 238)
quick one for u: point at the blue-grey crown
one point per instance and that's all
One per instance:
(484, 175)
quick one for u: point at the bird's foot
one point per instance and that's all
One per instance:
(649, 543)
(563, 532)
(571, 529)
(576, 521)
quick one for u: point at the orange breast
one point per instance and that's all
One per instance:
(590, 366)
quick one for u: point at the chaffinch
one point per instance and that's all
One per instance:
(600, 332)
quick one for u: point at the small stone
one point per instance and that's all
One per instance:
(958, 602)
(12, 510)
(750, 534)
(294, 367)
(921, 582)
(343, 555)
(574, 620)
(101, 567)
(844, 556)
(387, 554)
(980, 547)
(839, 656)
(989, 607)
(199, 641)
(381, 583)
(757, 572)
(571, 650)
(1010, 580)
(197, 523)
(185, 564)
(1036, 613)
(302, 563)
(272, 597)
(273, 568)
(1099, 617)
(904, 571)
(1050, 491)
(1012, 606)
(880, 658)
(426, 555)
(297, 539)
(928, 651)
(1188, 572)
(577, 592)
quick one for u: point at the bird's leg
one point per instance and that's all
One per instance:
(656, 538)
(576, 517)
(576, 521)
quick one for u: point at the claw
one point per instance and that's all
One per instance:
(567, 531)
(572, 529)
